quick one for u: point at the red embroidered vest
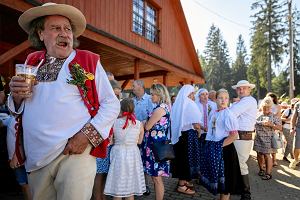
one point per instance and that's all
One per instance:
(88, 61)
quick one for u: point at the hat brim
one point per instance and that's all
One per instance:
(243, 85)
(75, 16)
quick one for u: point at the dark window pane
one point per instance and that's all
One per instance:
(145, 20)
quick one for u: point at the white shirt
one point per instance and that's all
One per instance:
(221, 123)
(246, 111)
(56, 112)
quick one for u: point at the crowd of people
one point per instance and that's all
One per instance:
(83, 140)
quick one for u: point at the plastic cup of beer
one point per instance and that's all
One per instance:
(28, 72)
(265, 118)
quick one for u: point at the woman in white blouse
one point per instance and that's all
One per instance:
(185, 127)
(222, 172)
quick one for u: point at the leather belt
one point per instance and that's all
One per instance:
(245, 135)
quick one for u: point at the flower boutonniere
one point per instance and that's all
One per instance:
(79, 77)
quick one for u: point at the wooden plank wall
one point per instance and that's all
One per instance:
(115, 17)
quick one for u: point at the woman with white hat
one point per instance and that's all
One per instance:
(185, 127)
(201, 99)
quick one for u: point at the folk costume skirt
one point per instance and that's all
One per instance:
(222, 172)
(185, 166)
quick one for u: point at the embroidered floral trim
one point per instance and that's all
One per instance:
(92, 134)
(50, 69)
(79, 77)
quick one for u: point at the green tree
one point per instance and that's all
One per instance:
(268, 23)
(216, 57)
(281, 84)
(239, 67)
(256, 72)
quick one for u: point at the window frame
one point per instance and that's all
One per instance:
(145, 22)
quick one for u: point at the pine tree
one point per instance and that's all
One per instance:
(217, 69)
(268, 21)
(239, 67)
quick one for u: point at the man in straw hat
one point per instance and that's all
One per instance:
(246, 112)
(69, 112)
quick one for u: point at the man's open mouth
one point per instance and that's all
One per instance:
(62, 44)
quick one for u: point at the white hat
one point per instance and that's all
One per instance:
(73, 14)
(243, 83)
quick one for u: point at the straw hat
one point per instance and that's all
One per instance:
(243, 83)
(73, 14)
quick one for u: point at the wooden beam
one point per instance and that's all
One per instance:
(142, 75)
(142, 55)
(136, 69)
(16, 5)
(14, 51)
(125, 83)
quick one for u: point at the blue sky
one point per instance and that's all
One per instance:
(231, 16)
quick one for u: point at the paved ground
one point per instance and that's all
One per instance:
(284, 185)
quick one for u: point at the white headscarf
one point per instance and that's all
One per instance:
(184, 112)
(197, 96)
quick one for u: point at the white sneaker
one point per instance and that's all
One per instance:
(294, 164)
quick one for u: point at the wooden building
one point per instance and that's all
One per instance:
(136, 39)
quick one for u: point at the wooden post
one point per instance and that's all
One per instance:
(136, 69)
(125, 83)
(165, 79)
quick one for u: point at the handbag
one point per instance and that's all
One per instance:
(276, 142)
(163, 151)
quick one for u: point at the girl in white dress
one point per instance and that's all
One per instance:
(126, 176)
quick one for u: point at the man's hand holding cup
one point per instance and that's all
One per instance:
(21, 85)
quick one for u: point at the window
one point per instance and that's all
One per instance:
(145, 20)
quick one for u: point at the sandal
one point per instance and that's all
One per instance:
(261, 173)
(266, 177)
(185, 189)
(275, 164)
(190, 185)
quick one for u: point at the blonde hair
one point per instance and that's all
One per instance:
(222, 90)
(161, 91)
(267, 102)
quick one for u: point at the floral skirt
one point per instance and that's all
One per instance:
(103, 163)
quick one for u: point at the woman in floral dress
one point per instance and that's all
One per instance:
(156, 128)
(266, 124)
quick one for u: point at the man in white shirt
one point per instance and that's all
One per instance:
(246, 111)
(63, 122)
